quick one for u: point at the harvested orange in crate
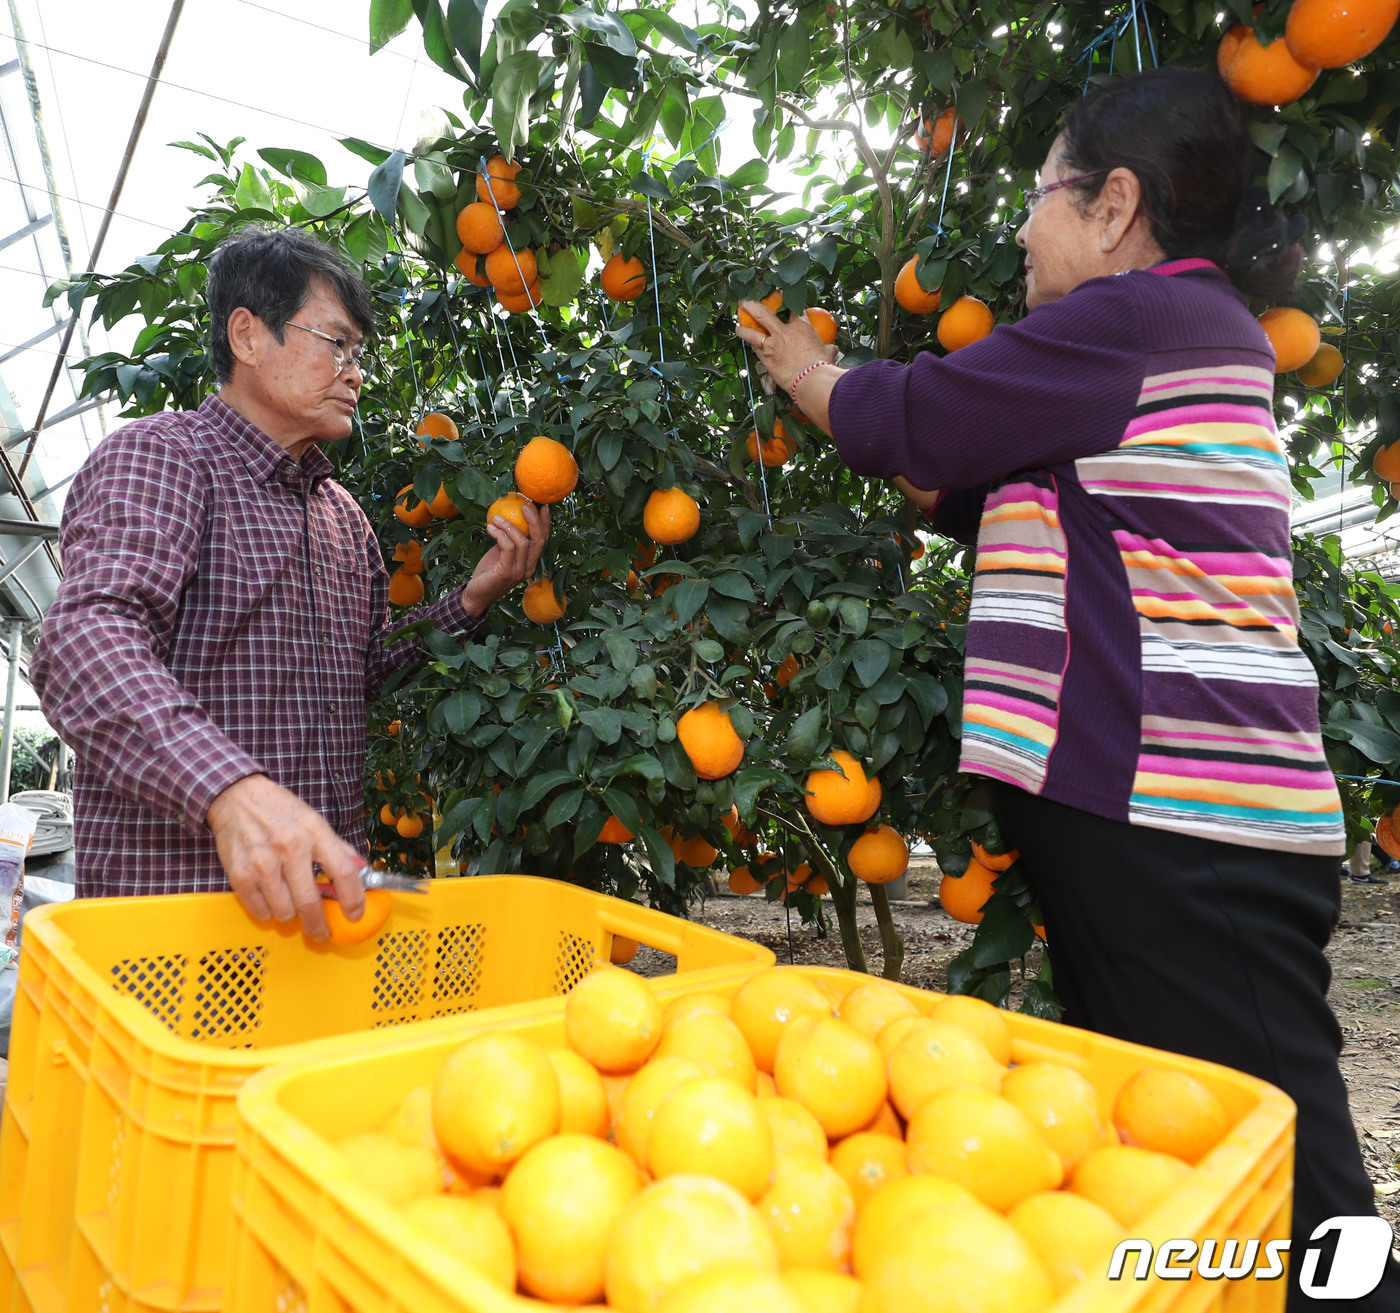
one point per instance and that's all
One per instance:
(718, 1183)
(137, 1020)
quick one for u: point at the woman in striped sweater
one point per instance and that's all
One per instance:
(1134, 683)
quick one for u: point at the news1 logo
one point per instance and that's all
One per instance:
(1351, 1265)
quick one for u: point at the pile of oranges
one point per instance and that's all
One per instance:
(806, 1146)
(487, 259)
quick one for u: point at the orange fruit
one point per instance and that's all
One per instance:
(867, 1162)
(966, 321)
(1171, 1112)
(796, 1133)
(843, 796)
(679, 1009)
(910, 294)
(469, 265)
(510, 508)
(710, 741)
(830, 1068)
(468, 1229)
(787, 668)
(984, 1143)
(894, 1032)
(677, 1228)
(994, 861)
(409, 826)
(697, 851)
(545, 471)
(731, 1288)
(511, 271)
(777, 450)
(613, 1019)
(344, 932)
(1062, 1104)
(822, 1292)
(939, 1056)
(1294, 334)
(765, 1004)
(479, 228)
(623, 280)
(981, 1018)
(622, 950)
(879, 855)
(560, 1201)
(886, 1122)
(494, 1098)
(671, 516)
(442, 505)
(498, 185)
(645, 1093)
(1127, 1182)
(388, 816)
(774, 302)
(812, 1213)
(1323, 369)
(410, 554)
(964, 896)
(904, 1201)
(738, 831)
(583, 1099)
(709, 1126)
(541, 603)
(1073, 1238)
(614, 831)
(437, 425)
(390, 1169)
(518, 303)
(741, 881)
(872, 1006)
(1386, 463)
(1331, 33)
(713, 1043)
(966, 1260)
(1261, 75)
(934, 136)
(824, 322)
(416, 517)
(405, 589)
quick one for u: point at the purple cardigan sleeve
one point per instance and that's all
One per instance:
(1060, 384)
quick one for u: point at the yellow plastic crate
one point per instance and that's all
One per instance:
(309, 1238)
(137, 1021)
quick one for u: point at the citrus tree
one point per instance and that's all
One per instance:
(696, 598)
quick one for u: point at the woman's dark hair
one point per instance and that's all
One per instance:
(269, 272)
(1182, 133)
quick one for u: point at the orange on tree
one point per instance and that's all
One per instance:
(345, 932)
(1331, 33)
(614, 831)
(510, 508)
(388, 816)
(545, 471)
(824, 322)
(410, 826)
(671, 516)
(498, 185)
(966, 321)
(738, 831)
(442, 505)
(1385, 464)
(777, 450)
(613, 1019)
(879, 855)
(787, 668)
(542, 603)
(843, 796)
(411, 556)
(1294, 335)
(774, 302)
(994, 861)
(510, 270)
(964, 896)
(1171, 1112)
(469, 1229)
(519, 303)
(405, 588)
(934, 136)
(697, 851)
(1325, 367)
(623, 279)
(437, 425)
(479, 228)
(1386, 838)
(911, 294)
(741, 881)
(1261, 75)
(416, 517)
(472, 268)
(708, 736)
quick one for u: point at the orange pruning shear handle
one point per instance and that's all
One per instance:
(373, 878)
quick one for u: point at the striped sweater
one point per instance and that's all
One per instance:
(1132, 641)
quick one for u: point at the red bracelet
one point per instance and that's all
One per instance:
(792, 391)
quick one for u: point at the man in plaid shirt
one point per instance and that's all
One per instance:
(224, 612)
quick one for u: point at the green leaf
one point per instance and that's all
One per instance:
(803, 735)
(1004, 934)
(750, 782)
(541, 785)
(464, 26)
(462, 710)
(437, 39)
(686, 598)
(606, 723)
(1284, 170)
(564, 281)
(592, 92)
(615, 33)
(678, 33)
(516, 81)
(794, 54)
(971, 101)
(296, 164)
(384, 185)
(366, 151)
(563, 809)
(611, 68)
(319, 201)
(1381, 745)
(663, 860)
(624, 807)
(623, 652)
(366, 239)
(793, 268)
(387, 18)
(252, 192)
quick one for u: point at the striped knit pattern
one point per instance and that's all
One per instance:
(1010, 707)
(1217, 614)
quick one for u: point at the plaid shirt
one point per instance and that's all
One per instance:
(224, 612)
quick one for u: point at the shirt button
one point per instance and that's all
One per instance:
(325, 638)
(331, 706)
(319, 571)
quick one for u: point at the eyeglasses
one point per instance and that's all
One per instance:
(1034, 195)
(341, 352)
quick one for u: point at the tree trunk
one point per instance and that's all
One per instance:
(889, 937)
(843, 898)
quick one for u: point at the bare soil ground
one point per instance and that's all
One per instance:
(1365, 993)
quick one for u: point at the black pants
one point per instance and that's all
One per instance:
(1214, 951)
